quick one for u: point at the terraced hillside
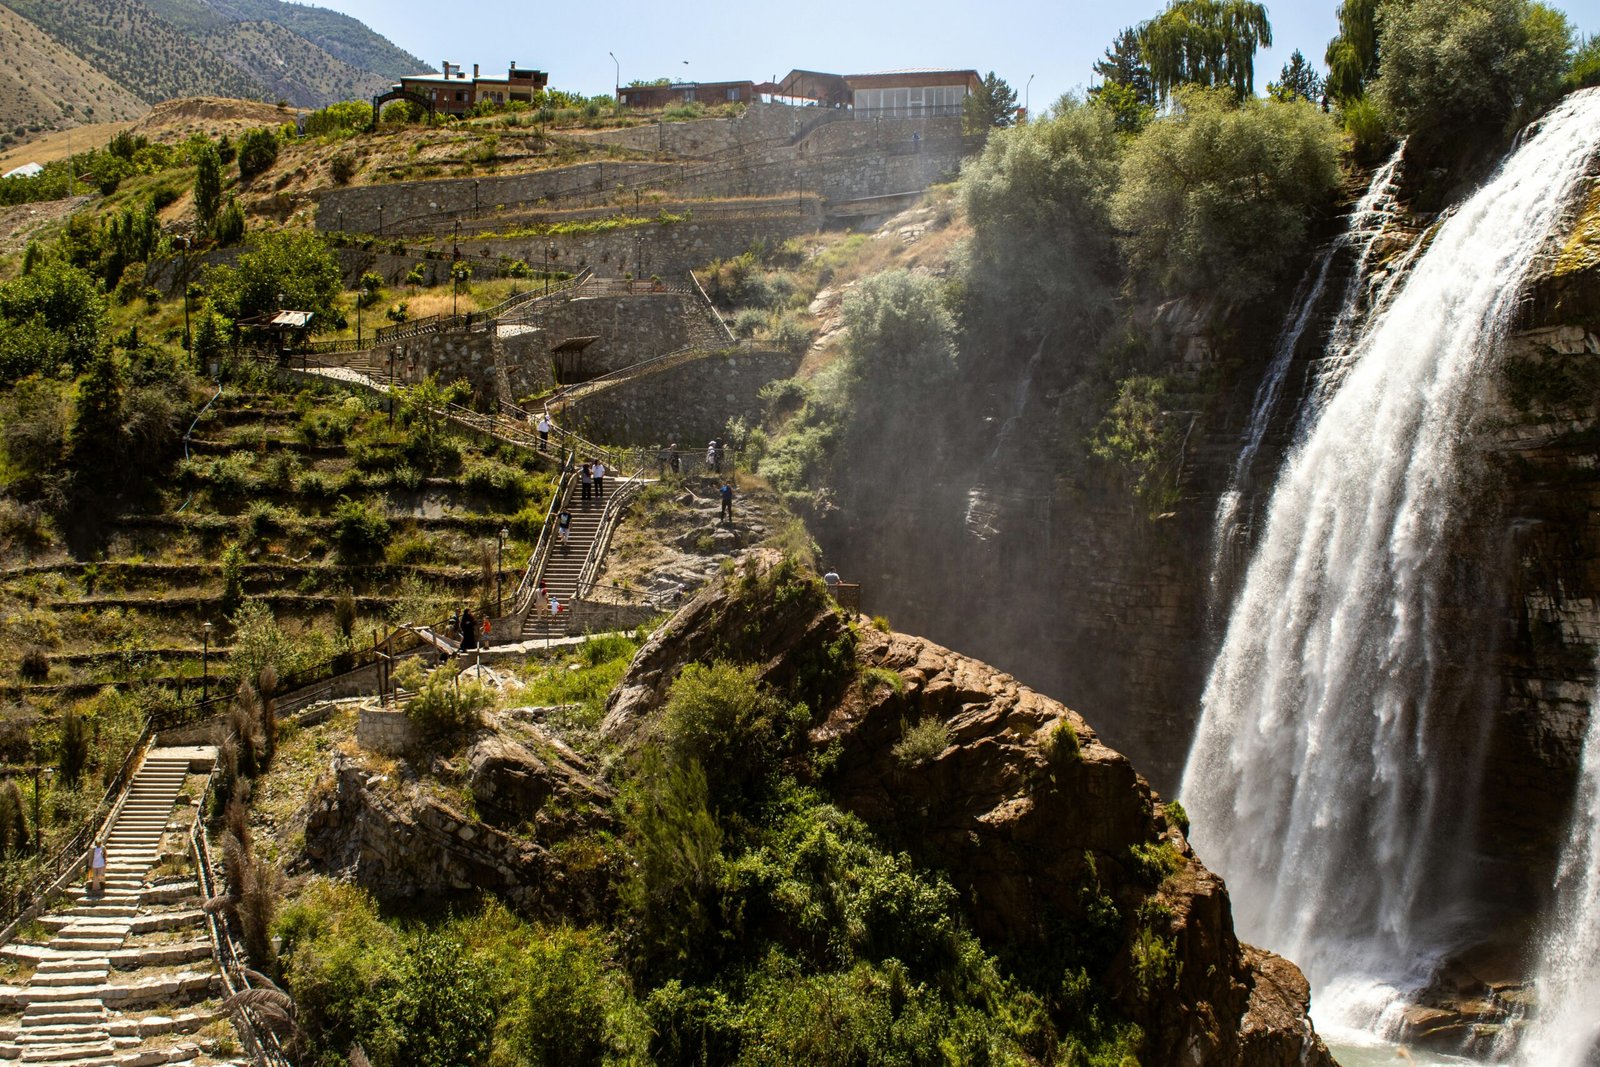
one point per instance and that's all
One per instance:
(299, 523)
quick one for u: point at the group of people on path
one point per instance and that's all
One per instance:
(592, 480)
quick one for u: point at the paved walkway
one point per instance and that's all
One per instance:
(102, 961)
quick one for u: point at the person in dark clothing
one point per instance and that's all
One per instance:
(585, 481)
(726, 492)
(469, 631)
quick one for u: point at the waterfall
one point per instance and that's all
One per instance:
(983, 510)
(1335, 757)
(1566, 1028)
(1361, 233)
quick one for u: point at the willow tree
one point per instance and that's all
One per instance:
(1210, 43)
(1352, 57)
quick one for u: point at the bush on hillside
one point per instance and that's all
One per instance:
(258, 151)
(1217, 196)
(360, 530)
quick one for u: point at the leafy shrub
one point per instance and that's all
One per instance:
(922, 742)
(72, 752)
(342, 167)
(790, 332)
(360, 530)
(406, 477)
(445, 710)
(1060, 744)
(324, 426)
(258, 151)
(35, 665)
(507, 486)
(233, 562)
(230, 475)
(1178, 816)
(1153, 861)
(573, 1004)
(230, 225)
(717, 716)
(749, 321)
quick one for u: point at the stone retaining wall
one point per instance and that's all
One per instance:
(689, 402)
(384, 730)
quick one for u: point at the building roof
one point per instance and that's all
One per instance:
(27, 170)
(911, 77)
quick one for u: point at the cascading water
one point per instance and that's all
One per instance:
(1361, 233)
(983, 510)
(1333, 762)
(1566, 1028)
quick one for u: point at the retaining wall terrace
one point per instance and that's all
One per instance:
(690, 402)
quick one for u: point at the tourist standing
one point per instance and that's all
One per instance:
(564, 526)
(585, 480)
(831, 580)
(544, 431)
(599, 480)
(469, 630)
(726, 492)
(97, 867)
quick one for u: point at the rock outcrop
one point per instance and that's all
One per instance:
(1025, 811)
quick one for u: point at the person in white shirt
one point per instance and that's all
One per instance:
(544, 431)
(598, 471)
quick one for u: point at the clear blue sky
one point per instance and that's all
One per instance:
(1055, 41)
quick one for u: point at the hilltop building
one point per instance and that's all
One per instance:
(654, 96)
(917, 93)
(453, 93)
(894, 94)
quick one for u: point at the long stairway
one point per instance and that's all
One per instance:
(101, 961)
(565, 565)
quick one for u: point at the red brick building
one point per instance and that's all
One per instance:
(453, 93)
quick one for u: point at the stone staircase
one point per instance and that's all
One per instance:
(124, 977)
(565, 563)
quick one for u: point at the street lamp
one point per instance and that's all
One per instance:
(616, 83)
(549, 254)
(205, 661)
(499, 568)
(1027, 98)
(475, 196)
(188, 343)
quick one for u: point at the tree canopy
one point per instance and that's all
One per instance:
(1126, 88)
(1352, 57)
(1205, 42)
(1451, 65)
(993, 106)
(1297, 81)
(281, 269)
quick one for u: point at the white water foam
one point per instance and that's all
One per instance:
(1330, 767)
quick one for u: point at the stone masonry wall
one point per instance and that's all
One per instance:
(504, 368)
(689, 403)
(759, 126)
(631, 328)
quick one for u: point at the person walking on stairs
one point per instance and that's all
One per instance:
(544, 431)
(564, 526)
(726, 493)
(97, 868)
(599, 470)
(585, 480)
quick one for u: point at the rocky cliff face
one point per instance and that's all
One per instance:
(1025, 810)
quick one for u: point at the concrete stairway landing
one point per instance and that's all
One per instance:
(102, 962)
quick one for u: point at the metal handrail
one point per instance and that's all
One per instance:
(259, 1040)
(577, 390)
(712, 308)
(521, 600)
(609, 517)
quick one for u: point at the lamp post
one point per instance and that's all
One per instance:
(616, 83)
(205, 661)
(455, 242)
(499, 568)
(391, 386)
(475, 210)
(1027, 98)
(188, 343)
(38, 825)
(549, 254)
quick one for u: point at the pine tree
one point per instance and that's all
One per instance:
(1298, 81)
(993, 105)
(207, 185)
(1125, 88)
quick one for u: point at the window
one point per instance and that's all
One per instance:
(733, 94)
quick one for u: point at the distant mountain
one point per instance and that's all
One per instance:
(44, 85)
(254, 49)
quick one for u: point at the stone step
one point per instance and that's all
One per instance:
(131, 959)
(72, 1029)
(100, 943)
(72, 978)
(67, 1010)
(62, 1035)
(75, 1054)
(157, 1025)
(177, 919)
(30, 996)
(74, 962)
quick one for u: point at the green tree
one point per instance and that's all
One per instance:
(229, 228)
(207, 185)
(900, 332)
(1454, 65)
(258, 151)
(1352, 57)
(992, 106)
(1298, 81)
(294, 265)
(56, 318)
(1210, 43)
(1125, 88)
(1039, 200)
(35, 417)
(443, 1010)
(1217, 196)
(97, 420)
